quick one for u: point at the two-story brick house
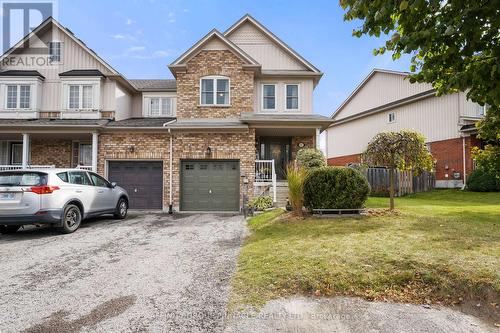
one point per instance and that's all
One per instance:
(239, 109)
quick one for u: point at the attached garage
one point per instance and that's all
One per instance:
(143, 180)
(210, 185)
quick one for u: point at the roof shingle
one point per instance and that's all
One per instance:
(154, 85)
(25, 73)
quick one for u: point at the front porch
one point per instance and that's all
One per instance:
(38, 150)
(275, 149)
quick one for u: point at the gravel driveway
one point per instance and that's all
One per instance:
(151, 272)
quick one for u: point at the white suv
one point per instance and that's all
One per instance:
(59, 197)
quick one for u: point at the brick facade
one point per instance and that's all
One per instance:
(308, 142)
(51, 152)
(224, 146)
(155, 147)
(449, 157)
(344, 160)
(219, 62)
(135, 146)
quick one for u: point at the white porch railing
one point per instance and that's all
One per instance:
(84, 167)
(17, 167)
(265, 172)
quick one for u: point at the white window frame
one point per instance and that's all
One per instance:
(18, 95)
(161, 113)
(393, 117)
(275, 96)
(215, 78)
(60, 51)
(298, 97)
(81, 84)
(80, 96)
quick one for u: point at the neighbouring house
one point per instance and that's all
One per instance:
(238, 110)
(386, 101)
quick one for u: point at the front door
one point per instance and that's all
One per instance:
(277, 149)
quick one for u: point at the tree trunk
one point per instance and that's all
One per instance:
(391, 188)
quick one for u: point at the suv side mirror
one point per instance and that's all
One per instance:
(113, 185)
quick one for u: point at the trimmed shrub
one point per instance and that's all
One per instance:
(483, 181)
(310, 158)
(335, 188)
(261, 203)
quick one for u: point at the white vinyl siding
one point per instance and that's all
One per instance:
(18, 96)
(269, 97)
(263, 49)
(159, 107)
(214, 91)
(434, 117)
(291, 95)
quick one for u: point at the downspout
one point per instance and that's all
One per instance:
(463, 155)
(170, 176)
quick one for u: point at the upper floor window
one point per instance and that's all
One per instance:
(55, 51)
(81, 96)
(392, 117)
(268, 97)
(214, 91)
(159, 106)
(18, 96)
(292, 96)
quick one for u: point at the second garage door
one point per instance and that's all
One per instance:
(143, 180)
(210, 185)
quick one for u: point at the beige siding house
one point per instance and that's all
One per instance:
(238, 110)
(386, 101)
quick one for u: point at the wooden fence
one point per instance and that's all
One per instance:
(405, 182)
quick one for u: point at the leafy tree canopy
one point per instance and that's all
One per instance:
(404, 150)
(454, 45)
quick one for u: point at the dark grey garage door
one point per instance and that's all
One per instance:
(210, 185)
(142, 180)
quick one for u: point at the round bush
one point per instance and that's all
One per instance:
(310, 158)
(483, 181)
(335, 188)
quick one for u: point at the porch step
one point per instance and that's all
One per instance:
(281, 193)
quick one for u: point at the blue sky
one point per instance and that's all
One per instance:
(140, 38)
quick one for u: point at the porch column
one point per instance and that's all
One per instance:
(95, 142)
(318, 132)
(26, 150)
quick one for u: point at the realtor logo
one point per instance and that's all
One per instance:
(19, 18)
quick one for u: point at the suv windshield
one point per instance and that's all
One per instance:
(22, 178)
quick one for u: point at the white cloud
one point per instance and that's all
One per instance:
(133, 49)
(171, 17)
(118, 36)
(160, 54)
(129, 21)
(153, 55)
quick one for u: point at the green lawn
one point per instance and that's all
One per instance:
(442, 246)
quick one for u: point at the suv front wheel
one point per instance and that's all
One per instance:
(121, 209)
(71, 219)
